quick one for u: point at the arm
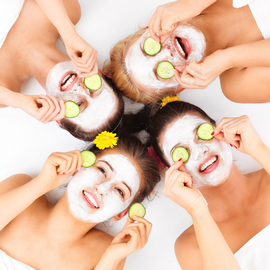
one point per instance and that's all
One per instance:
(215, 252)
(166, 17)
(57, 169)
(83, 56)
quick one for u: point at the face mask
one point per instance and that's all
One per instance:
(98, 106)
(183, 133)
(101, 192)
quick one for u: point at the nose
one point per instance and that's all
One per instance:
(199, 152)
(102, 188)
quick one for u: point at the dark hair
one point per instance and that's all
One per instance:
(134, 148)
(110, 125)
(154, 120)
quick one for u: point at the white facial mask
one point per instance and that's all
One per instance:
(99, 107)
(142, 67)
(105, 192)
(183, 133)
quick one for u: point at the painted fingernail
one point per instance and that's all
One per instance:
(235, 147)
(180, 159)
(231, 145)
(213, 133)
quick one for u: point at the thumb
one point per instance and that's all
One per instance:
(180, 68)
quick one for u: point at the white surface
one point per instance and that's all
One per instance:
(25, 143)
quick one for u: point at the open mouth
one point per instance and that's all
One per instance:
(182, 47)
(68, 80)
(90, 200)
(209, 165)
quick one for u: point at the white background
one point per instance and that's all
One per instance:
(25, 143)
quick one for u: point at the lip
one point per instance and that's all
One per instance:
(212, 167)
(71, 85)
(186, 48)
(87, 200)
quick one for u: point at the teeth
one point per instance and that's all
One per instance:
(209, 162)
(68, 82)
(91, 199)
(180, 48)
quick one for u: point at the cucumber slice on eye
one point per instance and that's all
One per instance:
(180, 152)
(72, 109)
(93, 83)
(151, 47)
(204, 131)
(136, 209)
(88, 158)
(165, 70)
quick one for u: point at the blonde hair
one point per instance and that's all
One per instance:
(116, 67)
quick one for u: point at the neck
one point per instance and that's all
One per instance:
(63, 226)
(232, 197)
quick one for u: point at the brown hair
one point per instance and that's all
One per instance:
(133, 147)
(116, 67)
(110, 125)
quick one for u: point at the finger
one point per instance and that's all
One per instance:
(148, 225)
(128, 222)
(141, 229)
(62, 112)
(154, 26)
(44, 107)
(195, 67)
(55, 112)
(178, 78)
(180, 68)
(50, 110)
(174, 167)
(219, 126)
(164, 37)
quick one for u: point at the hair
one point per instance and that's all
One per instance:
(116, 67)
(110, 125)
(154, 120)
(132, 146)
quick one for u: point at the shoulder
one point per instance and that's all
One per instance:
(14, 182)
(187, 250)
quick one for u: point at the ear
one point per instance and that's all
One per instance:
(120, 215)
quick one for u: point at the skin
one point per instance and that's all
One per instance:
(52, 228)
(233, 204)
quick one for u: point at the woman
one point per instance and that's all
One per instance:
(36, 55)
(65, 232)
(236, 219)
(227, 32)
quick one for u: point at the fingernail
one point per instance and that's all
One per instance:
(213, 133)
(134, 217)
(231, 145)
(235, 147)
(180, 159)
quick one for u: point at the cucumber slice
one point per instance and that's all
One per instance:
(93, 83)
(165, 70)
(136, 209)
(88, 158)
(204, 131)
(180, 152)
(151, 47)
(72, 109)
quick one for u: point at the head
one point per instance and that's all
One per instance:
(99, 110)
(175, 125)
(119, 177)
(134, 72)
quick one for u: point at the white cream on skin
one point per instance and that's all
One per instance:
(104, 190)
(183, 133)
(142, 67)
(99, 106)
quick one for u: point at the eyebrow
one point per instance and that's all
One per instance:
(108, 165)
(127, 187)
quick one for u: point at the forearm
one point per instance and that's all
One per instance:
(9, 98)
(255, 54)
(17, 200)
(262, 155)
(108, 262)
(202, 4)
(215, 252)
(56, 12)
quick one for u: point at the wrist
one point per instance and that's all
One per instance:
(109, 259)
(68, 32)
(198, 209)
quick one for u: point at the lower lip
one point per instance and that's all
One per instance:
(211, 168)
(88, 202)
(71, 85)
(187, 49)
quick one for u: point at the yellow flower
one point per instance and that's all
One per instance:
(105, 139)
(168, 99)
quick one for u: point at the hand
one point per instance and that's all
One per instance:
(166, 18)
(133, 237)
(44, 108)
(83, 56)
(180, 189)
(58, 168)
(200, 75)
(240, 133)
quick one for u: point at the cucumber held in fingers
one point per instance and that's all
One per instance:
(180, 152)
(136, 209)
(165, 70)
(72, 109)
(88, 158)
(151, 47)
(93, 83)
(204, 131)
